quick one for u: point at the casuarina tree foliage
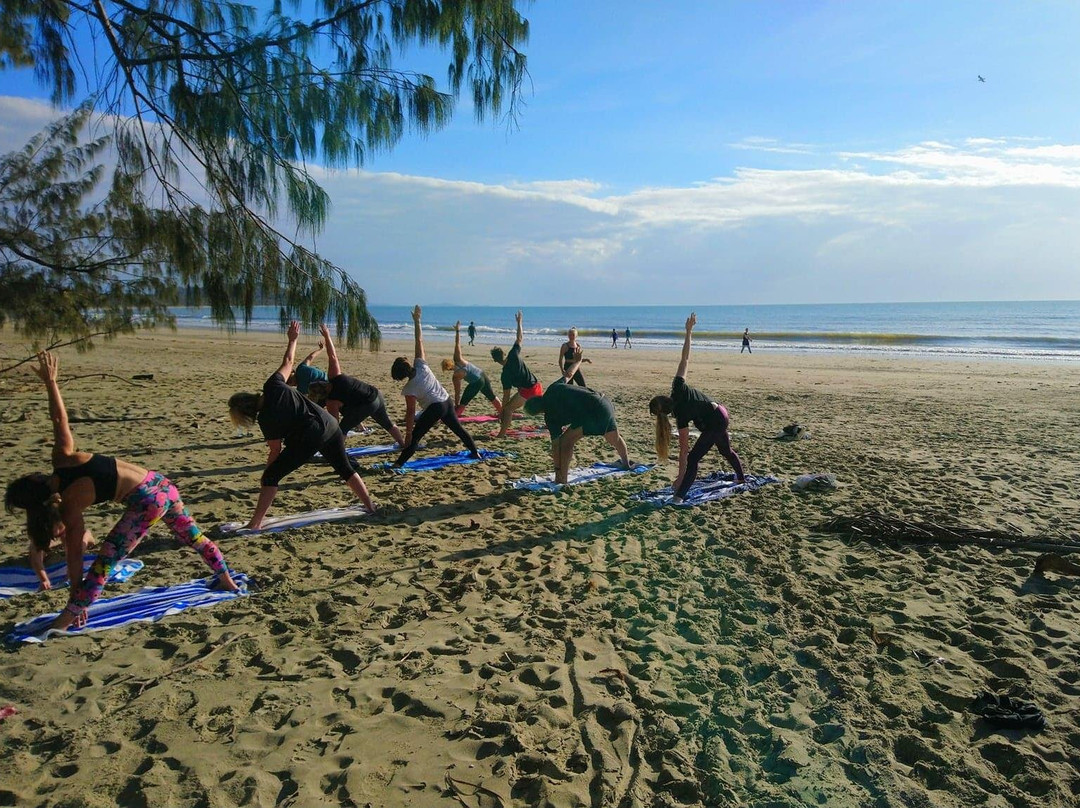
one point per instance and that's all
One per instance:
(211, 111)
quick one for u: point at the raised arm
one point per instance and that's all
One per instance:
(418, 336)
(47, 370)
(691, 321)
(290, 351)
(307, 359)
(334, 369)
(519, 332)
(458, 358)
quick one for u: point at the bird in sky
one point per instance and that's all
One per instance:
(982, 79)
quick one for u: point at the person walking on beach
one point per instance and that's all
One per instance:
(476, 381)
(569, 354)
(614, 338)
(424, 389)
(745, 341)
(306, 373)
(287, 417)
(472, 332)
(711, 419)
(582, 412)
(54, 505)
(348, 397)
(515, 373)
(627, 344)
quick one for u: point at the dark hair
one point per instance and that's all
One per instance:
(244, 408)
(42, 506)
(401, 369)
(535, 405)
(497, 354)
(319, 391)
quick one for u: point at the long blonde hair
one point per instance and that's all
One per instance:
(660, 406)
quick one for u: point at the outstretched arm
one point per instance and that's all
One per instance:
(334, 369)
(691, 321)
(458, 358)
(290, 351)
(418, 337)
(318, 350)
(519, 332)
(47, 370)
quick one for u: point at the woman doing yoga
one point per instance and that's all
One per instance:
(54, 505)
(515, 373)
(476, 381)
(287, 417)
(569, 354)
(349, 397)
(424, 389)
(690, 405)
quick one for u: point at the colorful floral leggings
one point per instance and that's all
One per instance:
(153, 500)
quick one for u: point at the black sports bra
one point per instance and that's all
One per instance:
(101, 469)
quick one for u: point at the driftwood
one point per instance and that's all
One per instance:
(880, 527)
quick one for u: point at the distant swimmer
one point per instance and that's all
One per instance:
(982, 79)
(745, 341)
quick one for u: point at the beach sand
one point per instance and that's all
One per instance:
(475, 646)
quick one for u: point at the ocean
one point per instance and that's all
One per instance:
(1020, 330)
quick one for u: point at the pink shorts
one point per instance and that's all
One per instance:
(531, 392)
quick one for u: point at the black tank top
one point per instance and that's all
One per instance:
(100, 469)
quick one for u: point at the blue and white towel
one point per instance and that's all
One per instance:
(278, 523)
(717, 485)
(461, 458)
(147, 605)
(20, 580)
(369, 451)
(546, 482)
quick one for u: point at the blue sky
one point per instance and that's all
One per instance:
(720, 152)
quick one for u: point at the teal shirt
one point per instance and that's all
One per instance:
(305, 375)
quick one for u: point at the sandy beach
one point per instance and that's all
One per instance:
(470, 645)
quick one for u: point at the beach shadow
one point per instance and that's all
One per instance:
(414, 516)
(582, 532)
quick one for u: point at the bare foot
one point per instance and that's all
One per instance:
(223, 582)
(70, 619)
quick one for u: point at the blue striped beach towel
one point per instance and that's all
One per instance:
(20, 580)
(546, 482)
(461, 458)
(147, 605)
(717, 485)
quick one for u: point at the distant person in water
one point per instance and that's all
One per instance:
(690, 405)
(614, 338)
(54, 505)
(515, 374)
(289, 419)
(627, 344)
(571, 413)
(421, 387)
(306, 373)
(569, 354)
(472, 332)
(476, 381)
(745, 341)
(348, 397)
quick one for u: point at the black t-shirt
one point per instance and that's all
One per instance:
(515, 372)
(570, 405)
(287, 414)
(352, 393)
(692, 405)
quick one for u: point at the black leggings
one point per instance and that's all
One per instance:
(438, 411)
(352, 417)
(577, 378)
(302, 448)
(481, 385)
(718, 437)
